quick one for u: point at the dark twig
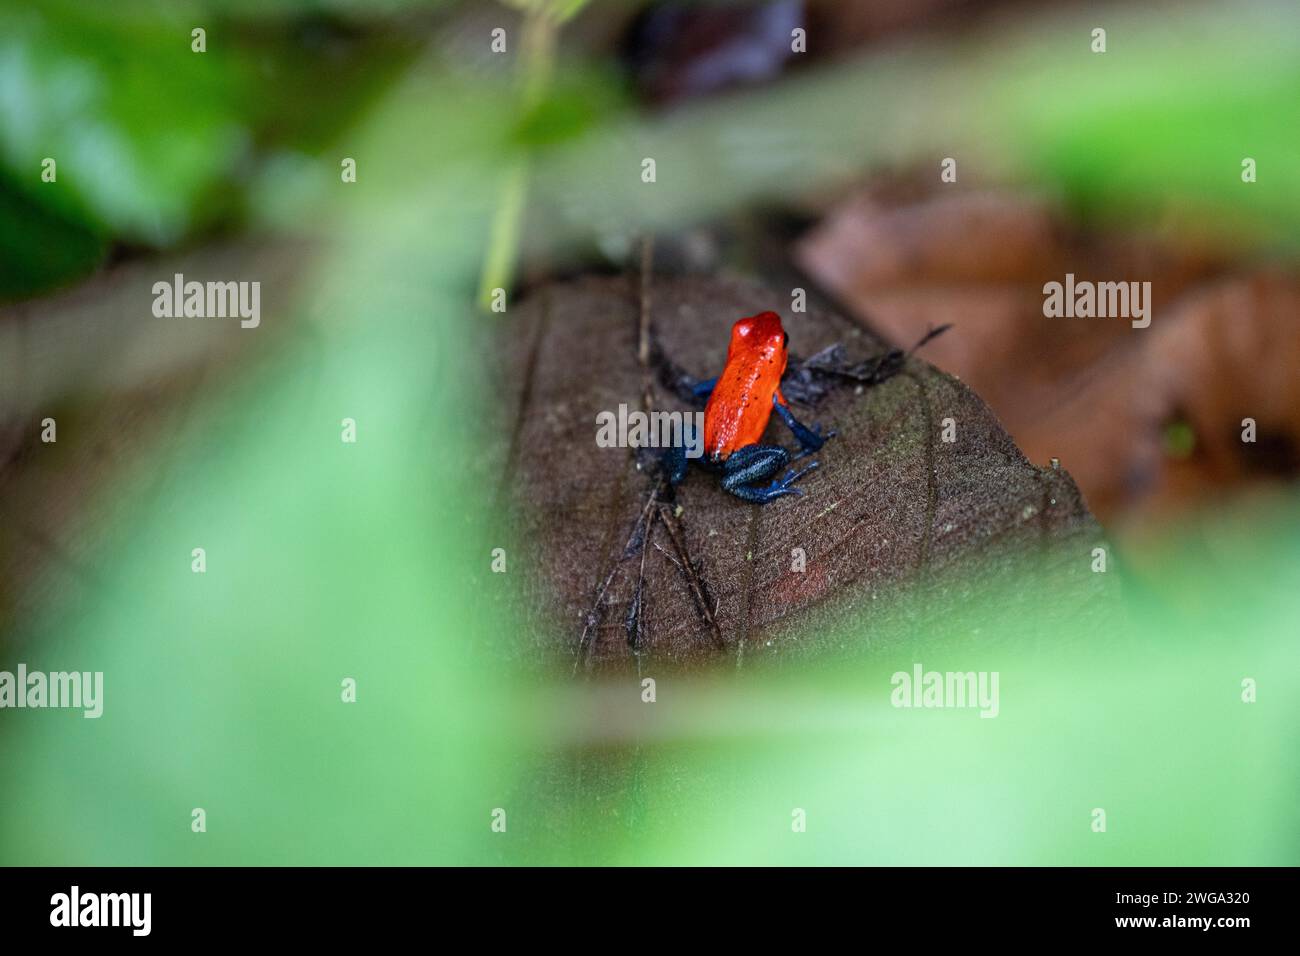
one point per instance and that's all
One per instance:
(660, 548)
(650, 357)
(643, 323)
(591, 620)
(642, 530)
(699, 590)
(632, 622)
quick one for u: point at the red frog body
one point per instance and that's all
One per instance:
(741, 402)
(740, 405)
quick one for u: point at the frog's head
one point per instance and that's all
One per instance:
(762, 337)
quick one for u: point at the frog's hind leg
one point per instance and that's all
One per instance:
(754, 463)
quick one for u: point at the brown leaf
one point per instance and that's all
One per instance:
(893, 509)
(1100, 395)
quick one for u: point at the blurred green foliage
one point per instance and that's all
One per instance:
(1162, 120)
(156, 144)
(138, 124)
(329, 560)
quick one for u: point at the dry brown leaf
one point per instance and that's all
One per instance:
(1098, 394)
(892, 510)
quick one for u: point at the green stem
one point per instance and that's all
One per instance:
(536, 67)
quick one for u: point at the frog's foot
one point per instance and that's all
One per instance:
(781, 486)
(792, 476)
(811, 439)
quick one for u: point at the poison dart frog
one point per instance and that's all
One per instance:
(741, 401)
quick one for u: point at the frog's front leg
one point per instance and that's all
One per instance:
(810, 439)
(674, 459)
(703, 388)
(754, 463)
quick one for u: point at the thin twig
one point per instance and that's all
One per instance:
(697, 586)
(536, 67)
(654, 509)
(633, 621)
(643, 324)
(634, 541)
(660, 548)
